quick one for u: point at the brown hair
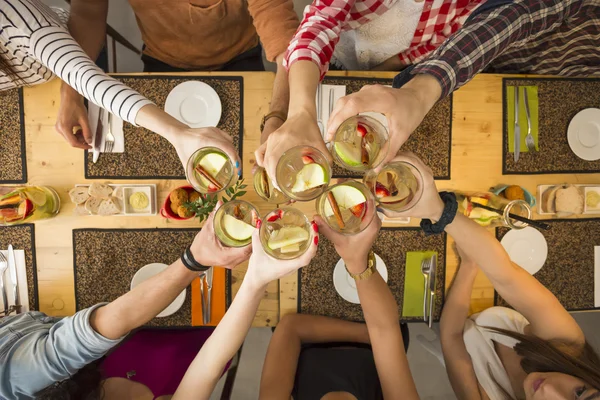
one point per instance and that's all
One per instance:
(7, 69)
(86, 384)
(556, 356)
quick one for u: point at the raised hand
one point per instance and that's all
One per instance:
(72, 120)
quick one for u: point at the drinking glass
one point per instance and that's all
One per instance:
(360, 143)
(347, 207)
(209, 170)
(397, 187)
(266, 190)
(303, 173)
(235, 222)
(19, 205)
(285, 233)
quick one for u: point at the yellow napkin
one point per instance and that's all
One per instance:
(532, 93)
(412, 305)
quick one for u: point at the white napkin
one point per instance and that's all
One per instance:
(22, 279)
(596, 276)
(330, 94)
(399, 220)
(116, 125)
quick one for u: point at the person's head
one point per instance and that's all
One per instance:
(557, 370)
(86, 384)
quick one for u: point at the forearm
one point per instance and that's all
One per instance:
(427, 89)
(153, 118)
(458, 302)
(143, 303)
(206, 369)
(303, 81)
(280, 99)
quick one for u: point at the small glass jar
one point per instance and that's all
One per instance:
(486, 217)
(24, 204)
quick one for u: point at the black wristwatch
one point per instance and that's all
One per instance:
(190, 262)
(450, 208)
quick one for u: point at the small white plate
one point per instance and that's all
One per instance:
(344, 283)
(584, 134)
(130, 190)
(587, 209)
(147, 272)
(194, 103)
(527, 248)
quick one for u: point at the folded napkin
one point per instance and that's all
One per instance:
(399, 220)
(330, 94)
(219, 300)
(412, 305)
(596, 276)
(532, 94)
(22, 280)
(116, 126)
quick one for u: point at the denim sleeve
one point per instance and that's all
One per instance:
(44, 356)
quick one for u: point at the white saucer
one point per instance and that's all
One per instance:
(584, 134)
(147, 272)
(345, 285)
(527, 248)
(194, 103)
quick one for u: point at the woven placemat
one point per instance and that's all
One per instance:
(431, 141)
(150, 156)
(13, 164)
(105, 261)
(316, 291)
(569, 268)
(22, 237)
(559, 101)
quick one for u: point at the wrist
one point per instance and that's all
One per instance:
(67, 92)
(357, 265)
(427, 89)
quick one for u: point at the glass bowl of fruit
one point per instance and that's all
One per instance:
(303, 173)
(398, 186)
(285, 233)
(360, 143)
(347, 207)
(210, 170)
(266, 190)
(235, 222)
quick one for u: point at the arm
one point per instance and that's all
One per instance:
(293, 330)
(279, 101)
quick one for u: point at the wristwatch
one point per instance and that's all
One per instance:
(366, 274)
(272, 114)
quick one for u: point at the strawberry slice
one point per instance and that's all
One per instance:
(358, 210)
(25, 208)
(277, 214)
(307, 160)
(361, 129)
(212, 188)
(381, 191)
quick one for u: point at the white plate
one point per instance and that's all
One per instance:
(147, 272)
(527, 248)
(584, 134)
(194, 103)
(345, 285)
(128, 191)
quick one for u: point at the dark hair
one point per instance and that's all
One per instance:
(86, 384)
(10, 72)
(541, 355)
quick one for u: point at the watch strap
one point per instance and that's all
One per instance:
(368, 272)
(448, 215)
(273, 114)
(187, 258)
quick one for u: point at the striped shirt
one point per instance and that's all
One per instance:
(38, 46)
(552, 37)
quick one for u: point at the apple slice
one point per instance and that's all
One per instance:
(213, 164)
(12, 200)
(403, 193)
(291, 248)
(309, 177)
(237, 229)
(346, 197)
(287, 236)
(25, 208)
(348, 153)
(307, 160)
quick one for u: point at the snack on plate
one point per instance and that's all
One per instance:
(92, 205)
(592, 199)
(514, 192)
(100, 190)
(548, 199)
(81, 210)
(138, 201)
(109, 207)
(179, 196)
(184, 212)
(569, 201)
(193, 197)
(174, 207)
(79, 195)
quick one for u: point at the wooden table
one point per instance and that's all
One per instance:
(476, 165)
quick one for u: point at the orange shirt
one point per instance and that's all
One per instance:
(205, 34)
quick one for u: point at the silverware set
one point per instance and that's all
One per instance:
(428, 268)
(109, 142)
(320, 106)
(206, 278)
(10, 264)
(529, 141)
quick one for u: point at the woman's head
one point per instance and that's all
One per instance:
(557, 370)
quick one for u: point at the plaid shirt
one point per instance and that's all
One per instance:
(324, 20)
(553, 37)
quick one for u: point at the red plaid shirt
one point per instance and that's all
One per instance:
(324, 20)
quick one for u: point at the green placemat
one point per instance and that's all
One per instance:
(414, 289)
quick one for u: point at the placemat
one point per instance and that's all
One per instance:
(150, 156)
(559, 101)
(431, 141)
(316, 291)
(569, 269)
(13, 167)
(105, 261)
(22, 237)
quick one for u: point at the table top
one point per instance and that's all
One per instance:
(476, 164)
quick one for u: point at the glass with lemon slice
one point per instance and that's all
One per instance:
(19, 205)
(303, 173)
(210, 170)
(285, 233)
(235, 222)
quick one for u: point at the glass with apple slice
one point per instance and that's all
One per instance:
(266, 190)
(360, 143)
(234, 223)
(347, 207)
(398, 186)
(285, 233)
(19, 205)
(303, 173)
(209, 170)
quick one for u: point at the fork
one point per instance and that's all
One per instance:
(202, 276)
(529, 138)
(3, 266)
(109, 143)
(425, 269)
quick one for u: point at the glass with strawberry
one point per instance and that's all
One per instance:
(347, 207)
(303, 173)
(19, 205)
(235, 222)
(398, 186)
(266, 190)
(360, 143)
(285, 233)
(210, 170)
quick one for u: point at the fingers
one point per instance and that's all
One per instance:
(259, 154)
(233, 156)
(77, 140)
(85, 128)
(239, 254)
(311, 252)
(345, 108)
(224, 135)
(325, 229)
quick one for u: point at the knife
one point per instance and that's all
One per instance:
(12, 270)
(517, 127)
(98, 137)
(432, 287)
(209, 282)
(202, 275)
